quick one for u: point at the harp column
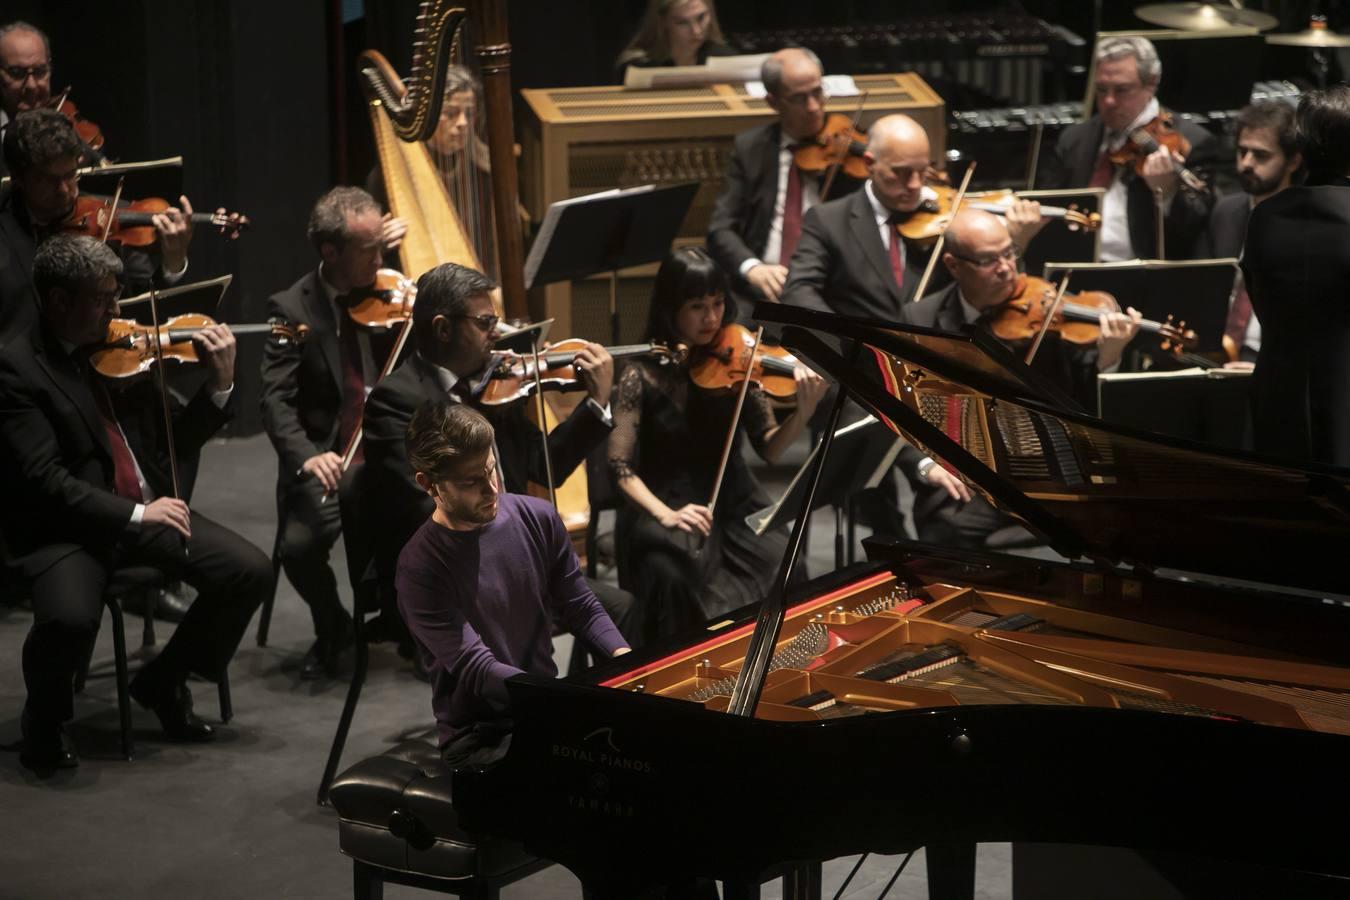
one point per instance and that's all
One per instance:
(494, 58)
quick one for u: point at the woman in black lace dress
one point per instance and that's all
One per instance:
(664, 452)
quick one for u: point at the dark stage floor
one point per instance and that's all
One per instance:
(237, 818)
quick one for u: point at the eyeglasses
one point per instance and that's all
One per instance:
(801, 98)
(20, 74)
(1009, 256)
(487, 321)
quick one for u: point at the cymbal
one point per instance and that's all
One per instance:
(1204, 16)
(1315, 35)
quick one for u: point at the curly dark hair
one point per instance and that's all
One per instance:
(441, 434)
(38, 137)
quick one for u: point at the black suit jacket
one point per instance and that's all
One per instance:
(841, 265)
(1070, 367)
(1070, 162)
(1298, 276)
(1227, 228)
(403, 506)
(55, 448)
(743, 215)
(18, 245)
(302, 382)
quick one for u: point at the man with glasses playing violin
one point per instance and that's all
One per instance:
(454, 330)
(758, 217)
(43, 153)
(90, 491)
(1127, 75)
(981, 257)
(313, 396)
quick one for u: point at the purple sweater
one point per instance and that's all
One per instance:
(481, 606)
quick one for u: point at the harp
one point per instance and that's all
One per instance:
(465, 213)
(470, 217)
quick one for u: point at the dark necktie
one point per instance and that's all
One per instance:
(125, 482)
(353, 379)
(897, 261)
(1103, 170)
(792, 214)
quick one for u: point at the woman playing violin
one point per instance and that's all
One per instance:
(665, 452)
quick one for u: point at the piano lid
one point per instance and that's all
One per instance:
(1092, 489)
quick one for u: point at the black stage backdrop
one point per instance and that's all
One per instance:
(240, 91)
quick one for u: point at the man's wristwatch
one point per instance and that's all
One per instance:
(925, 466)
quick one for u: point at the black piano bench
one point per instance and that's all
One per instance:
(396, 822)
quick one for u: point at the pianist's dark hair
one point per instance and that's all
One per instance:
(1324, 133)
(684, 274)
(441, 434)
(444, 290)
(1276, 115)
(38, 137)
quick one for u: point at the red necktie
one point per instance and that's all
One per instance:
(1239, 316)
(1103, 171)
(792, 215)
(353, 386)
(125, 482)
(897, 264)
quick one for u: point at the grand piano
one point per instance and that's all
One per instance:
(1181, 685)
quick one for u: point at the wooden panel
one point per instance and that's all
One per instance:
(584, 140)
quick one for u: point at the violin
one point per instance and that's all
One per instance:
(1022, 316)
(386, 303)
(935, 213)
(132, 224)
(1147, 140)
(725, 361)
(87, 130)
(129, 348)
(838, 143)
(512, 376)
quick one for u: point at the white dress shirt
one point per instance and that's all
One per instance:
(1116, 243)
(773, 247)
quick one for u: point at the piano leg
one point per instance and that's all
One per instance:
(366, 882)
(802, 883)
(951, 871)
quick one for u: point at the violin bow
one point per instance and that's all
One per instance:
(1050, 316)
(731, 435)
(839, 163)
(942, 238)
(543, 424)
(354, 442)
(164, 396)
(112, 216)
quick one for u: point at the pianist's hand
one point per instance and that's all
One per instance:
(768, 280)
(955, 487)
(691, 517)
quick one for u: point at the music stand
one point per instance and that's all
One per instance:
(152, 178)
(607, 232)
(860, 457)
(203, 297)
(1194, 291)
(1056, 240)
(1208, 405)
(526, 338)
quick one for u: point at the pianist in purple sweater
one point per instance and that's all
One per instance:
(481, 583)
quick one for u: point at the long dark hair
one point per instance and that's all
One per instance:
(684, 274)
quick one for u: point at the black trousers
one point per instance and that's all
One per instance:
(231, 577)
(311, 529)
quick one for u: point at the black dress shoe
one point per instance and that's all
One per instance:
(326, 657)
(173, 707)
(46, 746)
(312, 666)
